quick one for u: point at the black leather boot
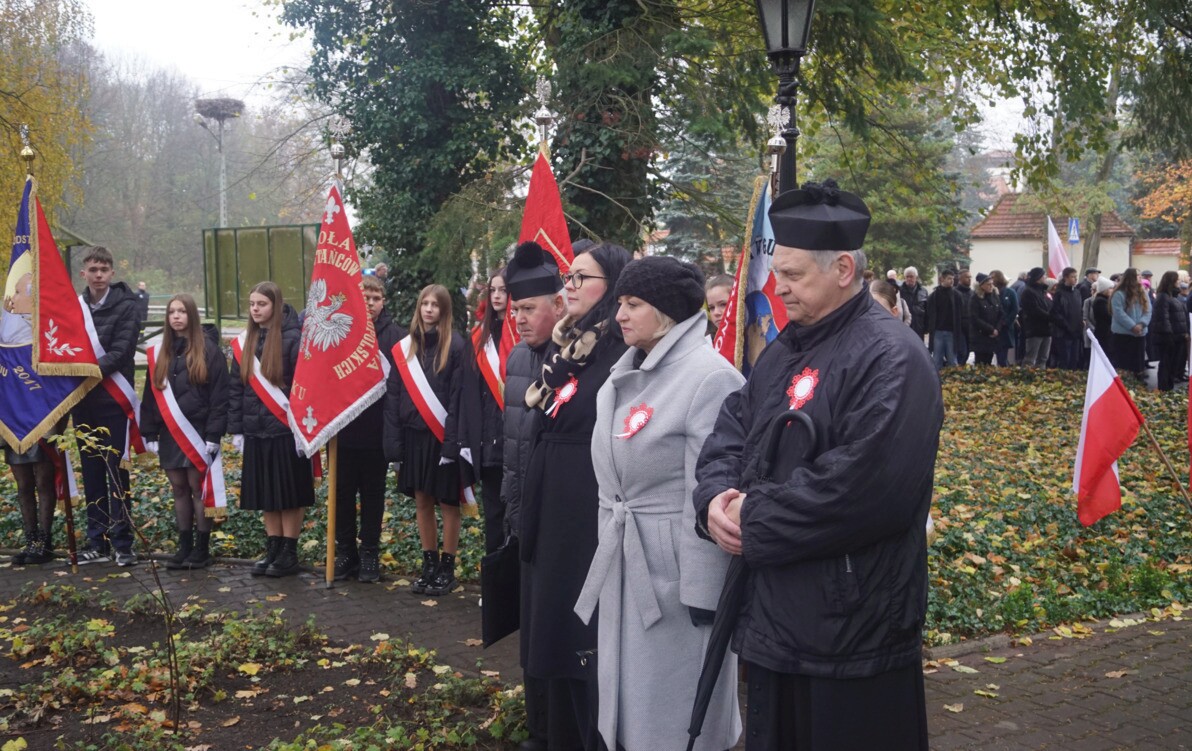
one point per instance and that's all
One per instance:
(185, 545)
(272, 548)
(200, 554)
(444, 580)
(38, 553)
(347, 560)
(370, 564)
(430, 564)
(286, 563)
(30, 540)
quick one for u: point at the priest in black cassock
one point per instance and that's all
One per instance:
(833, 534)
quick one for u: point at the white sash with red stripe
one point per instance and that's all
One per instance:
(118, 387)
(274, 399)
(433, 413)
(215, 495)
(488, 360)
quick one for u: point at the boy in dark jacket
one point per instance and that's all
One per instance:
(117, 321)
(1067, 321)
(362, 465)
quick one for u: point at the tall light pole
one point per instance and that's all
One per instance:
(786, 25)
(219, 110)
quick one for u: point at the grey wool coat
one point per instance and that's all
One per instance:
(650, 567)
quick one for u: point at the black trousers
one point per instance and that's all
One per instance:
(1170, 364)
(797, 713)
(360, 471)
(105, 483)
(494, 508)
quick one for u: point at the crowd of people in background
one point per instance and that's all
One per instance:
(1039, 321)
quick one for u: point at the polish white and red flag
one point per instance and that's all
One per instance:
(1057, 255)
(1111, 422)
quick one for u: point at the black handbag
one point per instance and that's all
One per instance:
(500, 588)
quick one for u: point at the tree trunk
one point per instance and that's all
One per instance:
(1092, 241)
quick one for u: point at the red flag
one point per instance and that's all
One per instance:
(1111, 422)
(63, 345)
(726, 333)
(340, 369)
(542, 222)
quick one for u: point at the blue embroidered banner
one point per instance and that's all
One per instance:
(30, 404)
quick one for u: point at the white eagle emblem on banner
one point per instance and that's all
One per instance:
(323, 328)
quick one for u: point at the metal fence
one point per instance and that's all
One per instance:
(236, 258)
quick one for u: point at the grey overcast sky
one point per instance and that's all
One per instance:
(225, 46)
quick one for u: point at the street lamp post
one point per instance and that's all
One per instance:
(785, 26)
(219, 110)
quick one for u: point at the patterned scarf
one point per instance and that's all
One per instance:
(570, 355)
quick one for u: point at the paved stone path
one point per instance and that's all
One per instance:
(1130, 689)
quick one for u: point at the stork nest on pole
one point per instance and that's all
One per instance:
(219, 109)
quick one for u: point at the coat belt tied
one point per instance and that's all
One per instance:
(620, 546)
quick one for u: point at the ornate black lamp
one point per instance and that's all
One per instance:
(786, 25)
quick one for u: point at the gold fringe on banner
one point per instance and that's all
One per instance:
(759, 184)
(49, 421)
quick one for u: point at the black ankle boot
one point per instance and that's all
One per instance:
(185, 545)
(370, 564)
(430, 564)
(200, 554)
(272, 548)
(286, 563)
(347, 560)
(38, 553)
(30, 540)
(444, 580)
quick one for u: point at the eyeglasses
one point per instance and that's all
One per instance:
(578, 278)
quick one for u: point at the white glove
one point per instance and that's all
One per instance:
(396, 466)
(238, 442)
(444, 461)
(151, 446)
(466, 453)
(212, 449)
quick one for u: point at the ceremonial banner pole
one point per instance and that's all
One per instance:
(1167, 463)
(333, 463)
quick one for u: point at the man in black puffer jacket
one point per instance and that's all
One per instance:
(534, 288)
(114, 312)
(833, 531)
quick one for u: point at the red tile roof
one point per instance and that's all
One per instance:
(1003, 221)
(1163, 246)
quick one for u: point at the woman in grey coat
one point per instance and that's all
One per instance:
(655, 581)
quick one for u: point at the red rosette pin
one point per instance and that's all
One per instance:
(636, 420)
(564, 394)
(802, 387)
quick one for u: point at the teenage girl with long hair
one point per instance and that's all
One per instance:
(1131, 318)
(489, 435)
(275, 479)
(429, 469)
(191, 362)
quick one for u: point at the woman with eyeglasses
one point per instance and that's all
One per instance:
(558, 519)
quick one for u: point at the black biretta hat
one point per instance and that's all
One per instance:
(819, 217)
(531, 272)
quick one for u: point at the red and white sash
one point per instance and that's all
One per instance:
(215, 495)
(274, 399)
(433, 413)
(118, 387)
(489, 362)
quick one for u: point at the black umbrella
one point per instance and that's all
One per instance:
(728, 608)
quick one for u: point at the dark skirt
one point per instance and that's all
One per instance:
(275, 477)
(170, 454)
(420, 469)
(35, 455)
